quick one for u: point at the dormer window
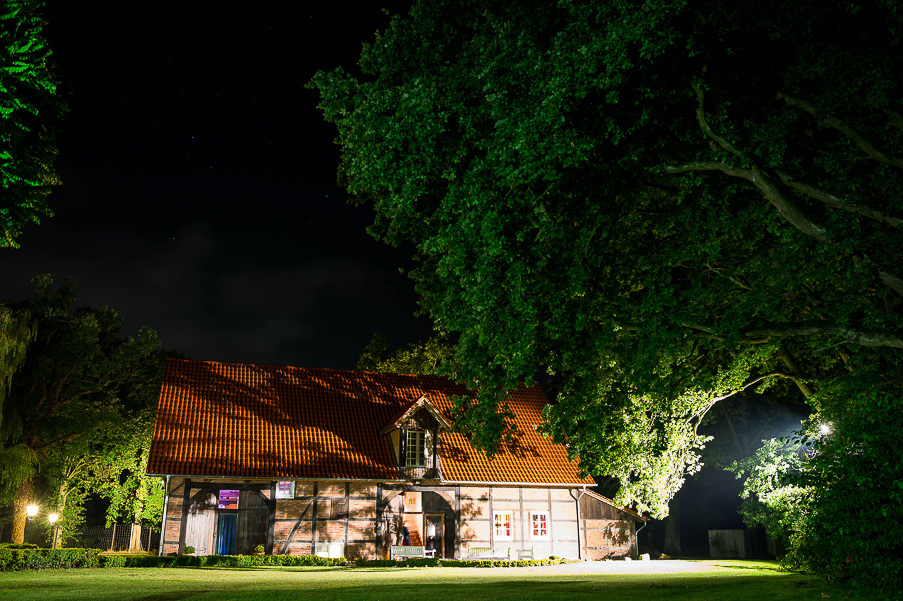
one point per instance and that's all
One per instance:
(415, 454)
(413, 434)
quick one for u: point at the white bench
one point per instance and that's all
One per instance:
(501, 552)
(408, 551)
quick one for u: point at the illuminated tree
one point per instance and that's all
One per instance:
(30, 110)
(82, 391)
(661, 204)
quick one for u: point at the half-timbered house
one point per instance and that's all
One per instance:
(350, 463)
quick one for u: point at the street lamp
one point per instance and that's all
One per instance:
(31, 512)
(52, 518)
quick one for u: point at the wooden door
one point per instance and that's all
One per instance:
(199, 527)
(253, 521)
(434, 533)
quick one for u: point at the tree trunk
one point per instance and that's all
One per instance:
(135, 539)
(19, 517)
(672, 528)
(61, 499)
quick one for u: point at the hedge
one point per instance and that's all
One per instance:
(230, 561)
(37, 559)
(456, 563)
(12, 559)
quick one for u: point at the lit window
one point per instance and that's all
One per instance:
(416, 448)
(539, 524)
(285, 489)
(504, 525)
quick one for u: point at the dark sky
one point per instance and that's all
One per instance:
(199, 190)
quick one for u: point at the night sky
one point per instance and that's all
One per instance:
(199, 190)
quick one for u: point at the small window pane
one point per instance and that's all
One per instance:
(415, 450)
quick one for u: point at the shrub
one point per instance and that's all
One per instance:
(41, 559)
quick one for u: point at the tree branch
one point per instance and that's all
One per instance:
(706, 128)
(864, 144)
(815, 328)
(834, 201)
(769, 189)
(791, 365)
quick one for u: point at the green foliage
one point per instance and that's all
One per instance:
(30, 110)
(47, 559)
(660, 205)
(81, 408)
(771, 494)
(854, 525)
(233, 561)
(836, 499)
(430, 357)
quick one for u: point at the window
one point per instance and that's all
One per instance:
(339, 509)
(415, 454)
(228, 499)
(503, 525)
(285, 489)
(539, 524)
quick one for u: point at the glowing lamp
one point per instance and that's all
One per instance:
(52, 518)
(31, 511)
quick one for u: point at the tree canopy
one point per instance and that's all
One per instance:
(660, 203)
(30, 111)
(80, 407)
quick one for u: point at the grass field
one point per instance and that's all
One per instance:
(608, 581)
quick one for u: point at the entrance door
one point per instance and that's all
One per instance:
(225, 533)
(435, 533)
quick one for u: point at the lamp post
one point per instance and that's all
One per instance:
(31, 512)
(52, 518)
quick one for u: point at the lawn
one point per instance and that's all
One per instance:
(608, 581)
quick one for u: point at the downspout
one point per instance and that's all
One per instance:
(165, 508)
(636, 538)
(577, 500)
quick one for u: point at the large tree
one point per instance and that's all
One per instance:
(660, 203)
(82, 392)
(30, 111)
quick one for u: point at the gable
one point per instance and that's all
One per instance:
(261, 421)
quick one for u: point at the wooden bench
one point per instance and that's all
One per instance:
(408, 551)
(501, 552)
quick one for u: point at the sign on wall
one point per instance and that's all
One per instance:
(228, 499)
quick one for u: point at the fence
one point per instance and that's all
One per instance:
(117, 537)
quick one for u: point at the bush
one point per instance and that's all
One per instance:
(42, 559)
(228, 561)
(854, 480)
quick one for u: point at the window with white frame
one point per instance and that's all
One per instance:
(415, 454)
(503, 525)
(285, 489)
(539, 525)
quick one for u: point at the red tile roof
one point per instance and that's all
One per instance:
(238, 420)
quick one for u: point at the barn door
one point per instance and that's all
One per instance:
(253, 520)
(201, 519)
